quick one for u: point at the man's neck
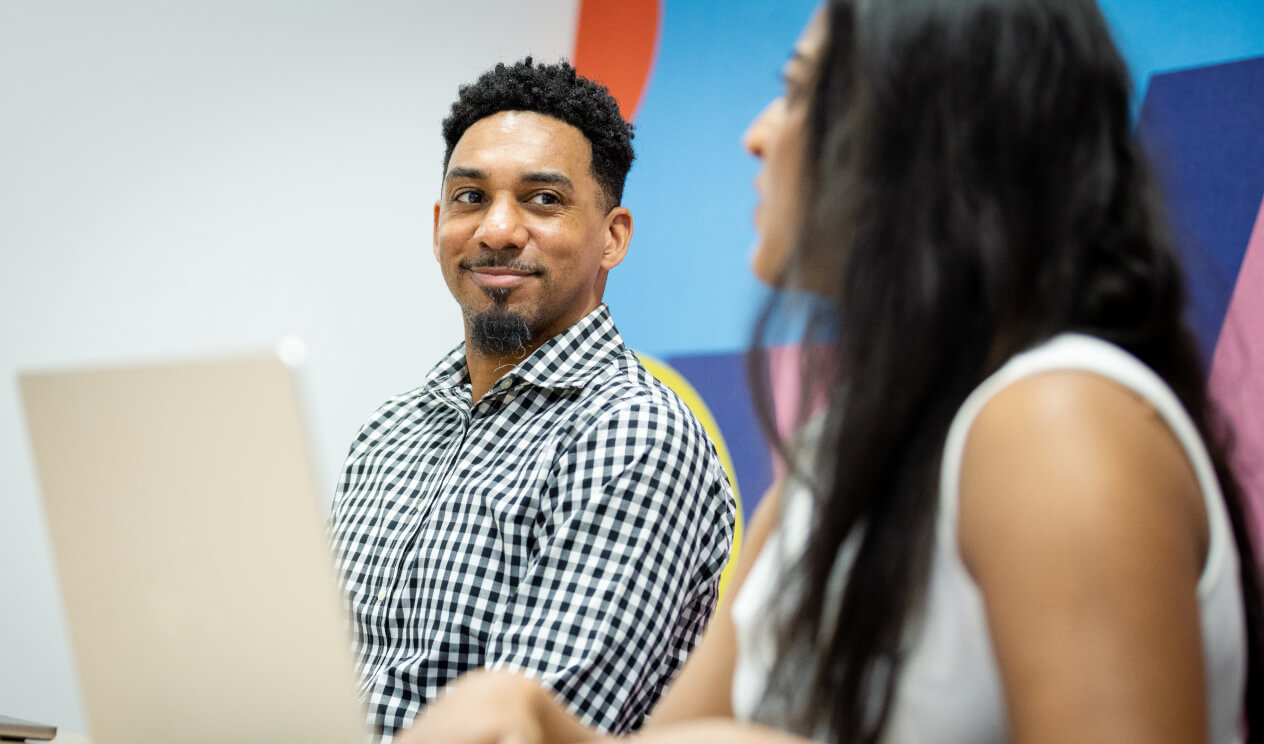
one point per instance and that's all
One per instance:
(486, 369)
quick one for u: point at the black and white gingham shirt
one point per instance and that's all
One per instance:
(572, 525)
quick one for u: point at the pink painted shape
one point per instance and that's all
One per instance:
(1237, 376)
(785, 375)
(784, 379)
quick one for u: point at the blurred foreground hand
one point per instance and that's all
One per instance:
(482, 707)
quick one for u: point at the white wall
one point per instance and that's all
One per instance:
(182, 179)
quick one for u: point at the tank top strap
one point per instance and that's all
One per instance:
(1080, 352)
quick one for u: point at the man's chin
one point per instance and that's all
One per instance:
(500, 331)
(498, 295)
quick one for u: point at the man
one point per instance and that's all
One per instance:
(540, 503)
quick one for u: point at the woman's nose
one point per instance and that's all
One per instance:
(755, 139)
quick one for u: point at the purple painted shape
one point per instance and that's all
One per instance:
(1237, 375)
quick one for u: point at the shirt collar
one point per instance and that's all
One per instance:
(572, 358)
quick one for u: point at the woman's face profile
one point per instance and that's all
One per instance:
(776, 137)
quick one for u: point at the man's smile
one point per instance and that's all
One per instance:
(499, 276)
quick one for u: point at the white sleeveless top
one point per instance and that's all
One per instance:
(950, 690)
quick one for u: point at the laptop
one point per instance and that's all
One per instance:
(16, 729)
(189, 539)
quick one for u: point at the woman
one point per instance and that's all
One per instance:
(1011, 521)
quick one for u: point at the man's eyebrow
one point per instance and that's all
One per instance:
(477, 174)
(553, 177)
(463, 172)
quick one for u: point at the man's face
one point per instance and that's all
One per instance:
(521, 229)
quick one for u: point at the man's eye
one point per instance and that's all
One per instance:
(545, 198)
(468, 197)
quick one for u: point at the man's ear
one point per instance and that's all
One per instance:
(436, 232)
(618, 235)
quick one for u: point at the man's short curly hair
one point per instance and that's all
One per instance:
(553, 90)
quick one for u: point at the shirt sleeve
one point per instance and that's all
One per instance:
(631, 542)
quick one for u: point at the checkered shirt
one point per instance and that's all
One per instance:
(572, 525)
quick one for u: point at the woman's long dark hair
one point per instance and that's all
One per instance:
(974, 188)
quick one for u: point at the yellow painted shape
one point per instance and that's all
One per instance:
(677, 382)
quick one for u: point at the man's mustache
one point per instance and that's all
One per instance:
(497, 261)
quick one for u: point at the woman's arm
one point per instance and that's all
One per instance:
(1083, 524)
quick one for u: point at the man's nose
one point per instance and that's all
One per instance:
(502, 226)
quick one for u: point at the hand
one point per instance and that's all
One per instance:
(719, 730)
(482, 707)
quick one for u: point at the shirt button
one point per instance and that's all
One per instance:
(381, 596)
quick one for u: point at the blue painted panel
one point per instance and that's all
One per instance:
(1164, 35)
(1205, 130)
(721, 381)
(686, 285)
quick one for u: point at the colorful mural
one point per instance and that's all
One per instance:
(685, 293)
(614, 43)
(1204, 128)
(1236, 381)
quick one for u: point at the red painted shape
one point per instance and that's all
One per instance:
(615, 45)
